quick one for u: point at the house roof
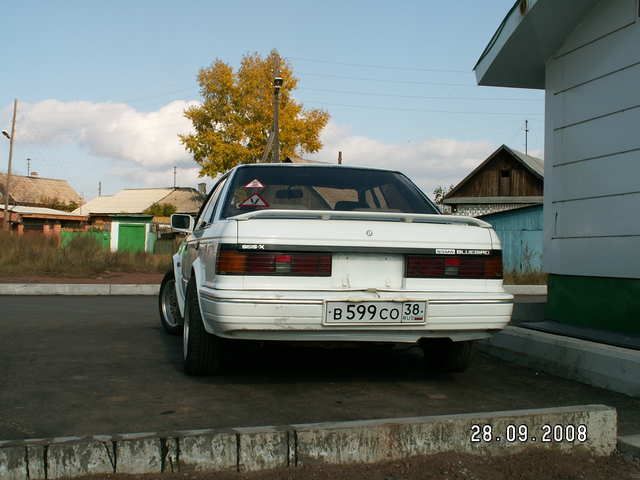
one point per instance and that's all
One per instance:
(511, 211)
(492, 200)
(137, 200)
(529, 34)
(186, 200)
(41, 212)
(533, 164)
(36, 190)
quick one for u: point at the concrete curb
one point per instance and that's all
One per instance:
(153, 289)
(259, 448)
(629, 445)
(526, 289)
(606, 366)
(77, 289)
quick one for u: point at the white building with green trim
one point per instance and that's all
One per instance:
(585, 54)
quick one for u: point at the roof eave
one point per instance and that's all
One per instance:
(517, 53)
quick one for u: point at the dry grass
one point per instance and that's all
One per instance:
(528, 278)
(81, 257)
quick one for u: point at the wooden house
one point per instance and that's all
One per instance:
(506, 180)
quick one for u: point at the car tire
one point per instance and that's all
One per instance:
(202, 351)
(445, 355)
(170, 317)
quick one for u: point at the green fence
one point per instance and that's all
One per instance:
(103, 238)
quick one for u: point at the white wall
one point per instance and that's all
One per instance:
(592, 146)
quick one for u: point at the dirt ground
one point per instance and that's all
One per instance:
(128, 278)
(531, 465)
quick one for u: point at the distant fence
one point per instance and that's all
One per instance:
(520, 232)
(103, 238)
(166, 246)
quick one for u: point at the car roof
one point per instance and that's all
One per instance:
(312, 165)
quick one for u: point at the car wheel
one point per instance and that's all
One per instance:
(168, 304)
(202, 351)
(445, 355)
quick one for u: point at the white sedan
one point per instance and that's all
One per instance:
(283, 252)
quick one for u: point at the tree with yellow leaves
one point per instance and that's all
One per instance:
(234, 121)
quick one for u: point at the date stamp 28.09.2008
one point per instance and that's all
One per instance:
(514, 433)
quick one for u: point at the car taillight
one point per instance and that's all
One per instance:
(233, 262)
(447, 266)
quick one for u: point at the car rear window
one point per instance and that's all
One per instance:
(323, 188)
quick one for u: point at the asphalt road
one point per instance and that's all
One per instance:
(90, 365)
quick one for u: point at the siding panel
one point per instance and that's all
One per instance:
(608, 54)
(598, 257)
(598, 217)
(602, 176)
(605, 17)
(604, 136)
(606, 95)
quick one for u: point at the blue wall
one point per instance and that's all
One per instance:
(520, 232)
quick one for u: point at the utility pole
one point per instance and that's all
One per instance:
(277, 84)
(6, 186)
(339, 158)
(526, 137)
(28, 167)
(174, 177)
(99, 189)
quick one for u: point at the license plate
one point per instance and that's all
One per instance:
(375, 312)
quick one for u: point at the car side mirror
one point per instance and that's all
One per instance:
(181, 222)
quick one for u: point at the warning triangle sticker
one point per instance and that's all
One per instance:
(255, 183)
(254, 200)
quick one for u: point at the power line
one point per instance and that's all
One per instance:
(400, 109)
(369, 79)
(384, 67)
(376, 94)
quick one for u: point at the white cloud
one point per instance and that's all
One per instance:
(112, 130)
(428, 162)
(144, 145)
(143, 177)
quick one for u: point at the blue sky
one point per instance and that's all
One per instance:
(102, 85)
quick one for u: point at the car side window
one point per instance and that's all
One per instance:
(215, 201)
(207, 212)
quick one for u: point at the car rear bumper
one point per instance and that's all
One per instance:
(299, 315)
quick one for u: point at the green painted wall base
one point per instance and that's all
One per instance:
(596, 302)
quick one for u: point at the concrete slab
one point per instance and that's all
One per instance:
(629, 445)
(526, 289)
(392, 439)
(141, 289)
(53, 289)
(590, 428)
(80, 289)
(208, 451)
(83, 457)
(13, 465)
(36, 462)
(262, 448)
(613, 368)
(141, 455)
(170, 455)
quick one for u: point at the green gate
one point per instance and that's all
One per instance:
(131, 238)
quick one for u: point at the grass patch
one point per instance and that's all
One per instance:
(528, 278)
(81, 257)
